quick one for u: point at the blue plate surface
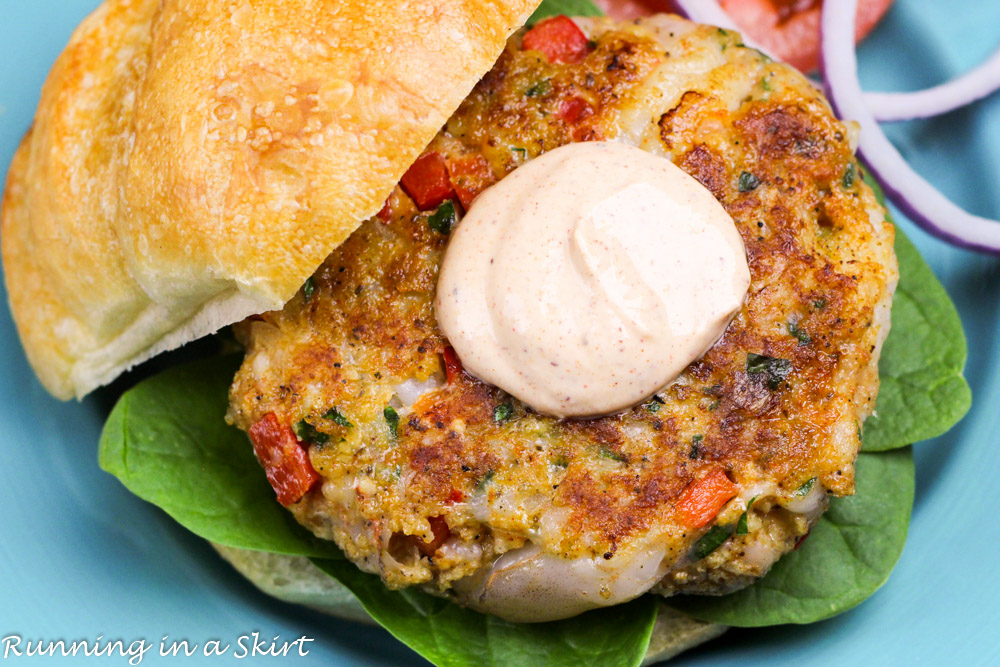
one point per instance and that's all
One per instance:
(81, 558)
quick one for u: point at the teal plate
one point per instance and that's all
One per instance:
(81, 558)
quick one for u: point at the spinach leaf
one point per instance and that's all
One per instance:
(922, 392)
(451, 636)
(847, 557)
(567, 7)
(168, 443)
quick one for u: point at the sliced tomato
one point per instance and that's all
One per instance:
(283, 458)
(452, 364)
(427, 182)
(559, 39)
(701, 501)
(789, 28)
(470, 176)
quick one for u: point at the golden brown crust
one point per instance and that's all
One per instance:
(192, 163)
(820, 254)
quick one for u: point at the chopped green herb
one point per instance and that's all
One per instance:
(711, 541)
(503, 412)
(748, 182)
(392, 419)
(522, 152)
(441, 220)
(775, 370)
(741, 525)
(560, 461)
(806, 487)
(333, 414)
(609, 453)
(308, 434)
(849, 176)
(654, 404)
(765, 84)
(695, 449)
(485, 480)
(308, 289)
(819, 304)
(715, 405)
(804, 338)
(539, 88)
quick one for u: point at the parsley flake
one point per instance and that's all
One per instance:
(503, 412)
(748, 182)
(392, 419)
(308, 434)
(333, 414)
(308, 288)
(442, 220)
(711, 541)
(773, 369)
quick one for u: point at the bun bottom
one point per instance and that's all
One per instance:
(295, 579)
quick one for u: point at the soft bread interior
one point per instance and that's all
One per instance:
(295, 579)
(192, 162)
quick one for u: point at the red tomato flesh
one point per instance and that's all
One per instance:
(559, 39)
(427, 182)
(283, 458)
(788, 28)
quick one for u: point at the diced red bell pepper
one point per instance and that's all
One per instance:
(469, 177)
(574, 109)
(427, 181)
(701, 501)
(452, 364)
(385, 214)
(441, 534)
(559, 39)
(284, 459)
(456, 496)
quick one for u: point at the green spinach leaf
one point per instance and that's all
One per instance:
(567, 7)
(168, 443)
(922, 392)
(847, 556)
(451, 636)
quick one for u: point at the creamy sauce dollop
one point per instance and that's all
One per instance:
(589, 278)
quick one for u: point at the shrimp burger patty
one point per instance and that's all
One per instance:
(429, 477)
(192, 164)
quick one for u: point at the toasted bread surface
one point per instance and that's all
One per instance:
(193, 162)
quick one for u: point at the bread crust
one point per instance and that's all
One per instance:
(192, 162)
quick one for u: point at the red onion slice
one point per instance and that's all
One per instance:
(918, 199)
(974, 85)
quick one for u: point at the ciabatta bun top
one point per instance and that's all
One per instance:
(192, 162)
